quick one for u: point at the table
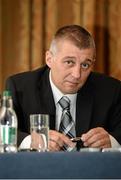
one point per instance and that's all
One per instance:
(59, 165)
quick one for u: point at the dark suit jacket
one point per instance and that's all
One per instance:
(98, 101)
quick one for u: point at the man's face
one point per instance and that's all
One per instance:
(70, 66)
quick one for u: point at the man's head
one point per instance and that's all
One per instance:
(71, 57)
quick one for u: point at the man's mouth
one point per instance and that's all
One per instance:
(74, 83)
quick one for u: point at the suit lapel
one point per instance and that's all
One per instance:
(84, 109)
(46, 101)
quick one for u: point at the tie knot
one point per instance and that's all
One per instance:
(65, 102)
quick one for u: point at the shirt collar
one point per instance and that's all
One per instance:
(57, 94)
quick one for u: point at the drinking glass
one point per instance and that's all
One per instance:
(39, 130)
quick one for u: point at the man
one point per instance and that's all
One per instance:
(95, 106)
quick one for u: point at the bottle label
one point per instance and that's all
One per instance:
(8, 134)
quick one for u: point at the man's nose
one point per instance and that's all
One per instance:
(76, 72)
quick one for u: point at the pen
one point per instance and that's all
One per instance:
(76, 139)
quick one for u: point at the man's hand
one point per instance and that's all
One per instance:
(57, 140)
(38, 141)
(97, 138)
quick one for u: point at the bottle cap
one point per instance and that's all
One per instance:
(6, 93)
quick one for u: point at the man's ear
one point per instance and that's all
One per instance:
(48, 58)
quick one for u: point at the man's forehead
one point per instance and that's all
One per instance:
(63, 43)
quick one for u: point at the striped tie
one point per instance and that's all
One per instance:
(67, 124)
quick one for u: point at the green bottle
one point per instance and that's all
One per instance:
(8, 124)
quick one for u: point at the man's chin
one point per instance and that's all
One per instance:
(71, 90)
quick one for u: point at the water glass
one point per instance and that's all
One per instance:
(39, 130)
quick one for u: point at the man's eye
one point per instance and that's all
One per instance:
(69, 62)
(85, 65)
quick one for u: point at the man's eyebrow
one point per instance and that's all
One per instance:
(85, 60)
(88, 60)
(70, 57)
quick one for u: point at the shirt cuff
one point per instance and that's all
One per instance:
(25, 144)
(114, 142)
